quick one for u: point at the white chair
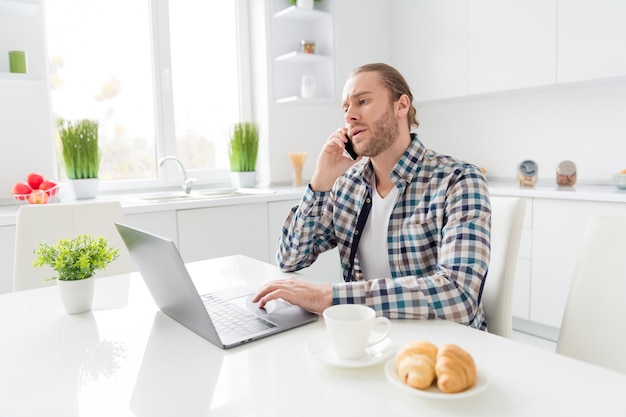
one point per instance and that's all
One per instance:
(593, 328)
(48, 223)
(507, 220)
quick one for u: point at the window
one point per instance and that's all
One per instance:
(162, 78)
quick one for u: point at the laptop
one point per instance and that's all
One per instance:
(226, 318)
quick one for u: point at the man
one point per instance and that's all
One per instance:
(412, 226)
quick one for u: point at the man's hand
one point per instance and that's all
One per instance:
(311, 297)
(331, 162)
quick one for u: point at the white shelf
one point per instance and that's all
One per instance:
(18, 7)
(13, 78)
(302, 57)
(296, 13)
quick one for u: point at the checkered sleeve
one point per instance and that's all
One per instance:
(307, 232)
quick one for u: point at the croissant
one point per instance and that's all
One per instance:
(416, 364)
(455, 369)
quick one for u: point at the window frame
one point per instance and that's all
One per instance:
(169, 175)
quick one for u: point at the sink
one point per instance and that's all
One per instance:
(200, 195)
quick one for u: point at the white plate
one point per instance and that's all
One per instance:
(433, 391)
(319, 347)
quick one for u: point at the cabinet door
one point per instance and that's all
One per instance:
(162, 223)
(222, 231)
(592, 39)
(429, 47)
(326, 268)
(7, 253)
(511, 44)
(558, 231)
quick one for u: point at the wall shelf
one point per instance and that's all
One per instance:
(290, 25)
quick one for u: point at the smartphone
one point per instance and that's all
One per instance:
(350, 148)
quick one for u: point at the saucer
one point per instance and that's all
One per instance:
(319, 347)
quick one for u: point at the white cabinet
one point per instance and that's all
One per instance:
(221, 231)
(289, 26)
(558, 231)
(162, 223)
(521, 291)
(435, 65)
(592, 39)
(7, 253)
(327, 267)
(511, 44)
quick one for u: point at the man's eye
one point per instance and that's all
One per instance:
(363, 101)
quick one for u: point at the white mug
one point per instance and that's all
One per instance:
(349, 327)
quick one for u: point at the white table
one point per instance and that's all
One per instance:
(125, 358)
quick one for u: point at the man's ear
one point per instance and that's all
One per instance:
(402, 105)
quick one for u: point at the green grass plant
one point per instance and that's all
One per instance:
(81, 153)
(244, 147)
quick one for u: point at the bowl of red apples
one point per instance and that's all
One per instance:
(35, 190)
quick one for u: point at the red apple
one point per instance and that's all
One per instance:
(38, 197)
(34, 179)
(48, 187)
(22, 190)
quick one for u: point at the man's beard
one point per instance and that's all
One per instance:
(383, 134)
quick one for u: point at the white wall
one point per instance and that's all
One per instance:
(362, 35)
(585, 124)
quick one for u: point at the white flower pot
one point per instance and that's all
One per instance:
(243, 179)
(304, 4)
(85, 188)
(77, 296)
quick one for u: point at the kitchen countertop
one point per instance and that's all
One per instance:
(132, 203)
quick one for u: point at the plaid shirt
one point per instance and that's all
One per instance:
(438, 237)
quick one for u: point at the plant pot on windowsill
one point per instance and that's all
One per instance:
(242, 152)
(81, 155)
(76, 261)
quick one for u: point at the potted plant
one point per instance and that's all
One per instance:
(76, 260)
(81, 155)
(242, 152)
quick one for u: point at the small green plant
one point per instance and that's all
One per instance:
(244, 147)
(76, 258)
(81, 154)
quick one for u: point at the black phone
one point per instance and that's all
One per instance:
(350, 148)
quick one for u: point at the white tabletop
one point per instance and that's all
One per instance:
(125, 358)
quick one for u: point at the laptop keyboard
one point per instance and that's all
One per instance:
(230, 320)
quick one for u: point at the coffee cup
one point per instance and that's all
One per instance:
(349, 328)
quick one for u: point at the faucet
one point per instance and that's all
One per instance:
(187, 182)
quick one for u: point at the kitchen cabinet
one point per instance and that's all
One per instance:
(521, 291)
(558, 232)
(592, 39)
(211, 232)
(436, 31)
(289, 26)
(7, 253)
(510, 44)
(327, 267)
(162, 223)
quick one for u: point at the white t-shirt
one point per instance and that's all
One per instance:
(372, 248)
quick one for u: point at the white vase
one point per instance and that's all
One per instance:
(243, 179)
(304, 4)
(77, 296)
(85, 188)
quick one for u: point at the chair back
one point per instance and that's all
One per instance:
(507, 220)
(48, 223)
(593, 327)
